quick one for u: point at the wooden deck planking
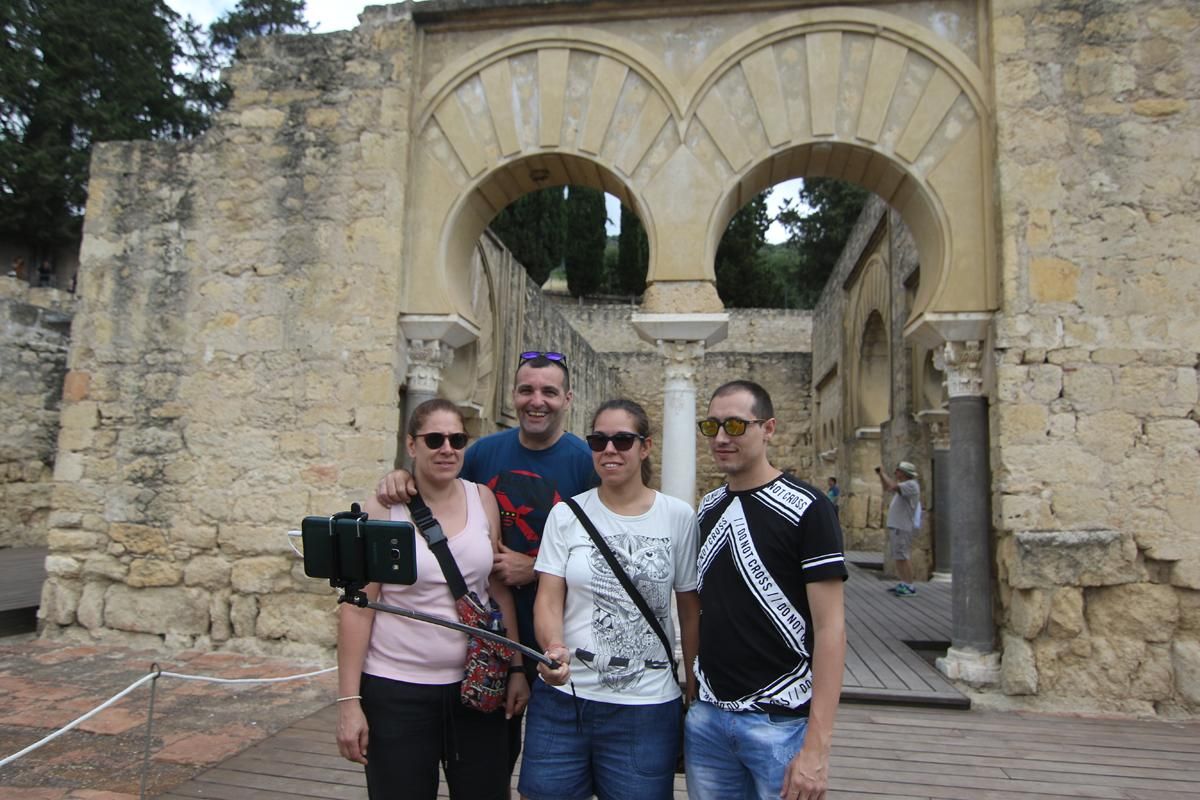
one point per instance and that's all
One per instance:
(881, 752)
(880, 667)
(22, 572)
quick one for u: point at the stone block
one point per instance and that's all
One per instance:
(1053, 280)
(102, 565)
(1109, 434)
(261, 574)
(1185, 659)
(1042, 559)
(156, 610)
(1186, 573)
(1135, 611)
(1189, 612)
(139, 539)
(1066, 613)
(1027, 612)
(1155, 677)
(243, 612)
(211, 572)
(153, 572)
(60, 599)
(296, 617)
(1018, 668)
(62, 566)
(91, 605)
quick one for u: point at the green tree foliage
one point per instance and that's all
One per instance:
(633, 256)
(819, 235)
(742, 282)
(533, 229)
(74, 72)
(257, 18)
(586, 240)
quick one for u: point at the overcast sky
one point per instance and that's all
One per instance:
(338, 15)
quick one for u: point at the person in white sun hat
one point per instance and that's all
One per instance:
(903, 521)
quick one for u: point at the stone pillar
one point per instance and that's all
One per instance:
(681, 339)
(938, 422)
(432, 340)
(678, 452)
(971, 656)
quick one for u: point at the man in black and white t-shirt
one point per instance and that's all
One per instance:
(772, 625)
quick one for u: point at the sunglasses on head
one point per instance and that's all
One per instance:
(434, 441)
(621, 441)
(530, 355)
(734, 426)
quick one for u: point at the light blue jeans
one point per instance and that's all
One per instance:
(738, 755)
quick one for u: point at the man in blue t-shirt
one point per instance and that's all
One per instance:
(529, 468)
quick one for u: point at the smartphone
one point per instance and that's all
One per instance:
(370, 551)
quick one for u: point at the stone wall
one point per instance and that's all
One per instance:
(36, 328)
(1095, 430)
(853, 452)
(237, 358)
(769, 346)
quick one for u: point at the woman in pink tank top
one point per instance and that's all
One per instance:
(399, 712)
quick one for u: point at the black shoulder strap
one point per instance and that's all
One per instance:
(621, 576)
(439, 545)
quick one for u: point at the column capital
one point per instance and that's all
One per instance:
(427, 362)
(964, 368)
(684, 359)
(706, 328)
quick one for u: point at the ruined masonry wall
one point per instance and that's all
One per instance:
(36, 326)
(234, 363)
(1096, 417)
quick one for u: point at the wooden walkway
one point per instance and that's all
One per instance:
(22, 572)
(883, 752)
(881, 666)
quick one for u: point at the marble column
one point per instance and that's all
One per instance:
(681, 339)
(678, 451)
(972, 655)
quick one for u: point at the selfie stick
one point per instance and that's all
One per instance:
(359, 599)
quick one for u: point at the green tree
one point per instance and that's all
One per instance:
(586, 240)
(532, 227)
(820, 235)
(742, 282)
(257, 18)
(633, 255)
(74, 72)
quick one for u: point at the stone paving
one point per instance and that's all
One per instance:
(45, 685)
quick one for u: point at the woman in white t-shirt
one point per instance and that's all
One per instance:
(614, 731)
(399, 711)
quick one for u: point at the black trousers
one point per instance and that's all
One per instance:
(413, 727)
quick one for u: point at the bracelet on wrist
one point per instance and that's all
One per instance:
(514, 669)
(349, 697)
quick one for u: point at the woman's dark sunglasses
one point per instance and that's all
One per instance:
(434, 441)
(621, 441)
(734, 426)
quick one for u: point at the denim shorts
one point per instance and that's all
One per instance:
(738, 755)
(612, 751)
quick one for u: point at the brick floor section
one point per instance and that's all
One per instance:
(46, 684)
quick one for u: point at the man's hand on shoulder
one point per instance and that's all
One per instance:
(395, 487)
(511, 567)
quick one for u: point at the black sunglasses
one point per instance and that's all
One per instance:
(530, 355)
(434, 441)
(621, 441)
(734, 426)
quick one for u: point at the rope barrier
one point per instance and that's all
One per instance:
(152, 676)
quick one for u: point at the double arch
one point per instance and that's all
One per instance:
(853, 94)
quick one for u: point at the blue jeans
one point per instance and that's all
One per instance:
(617, 752)
(731, 755)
